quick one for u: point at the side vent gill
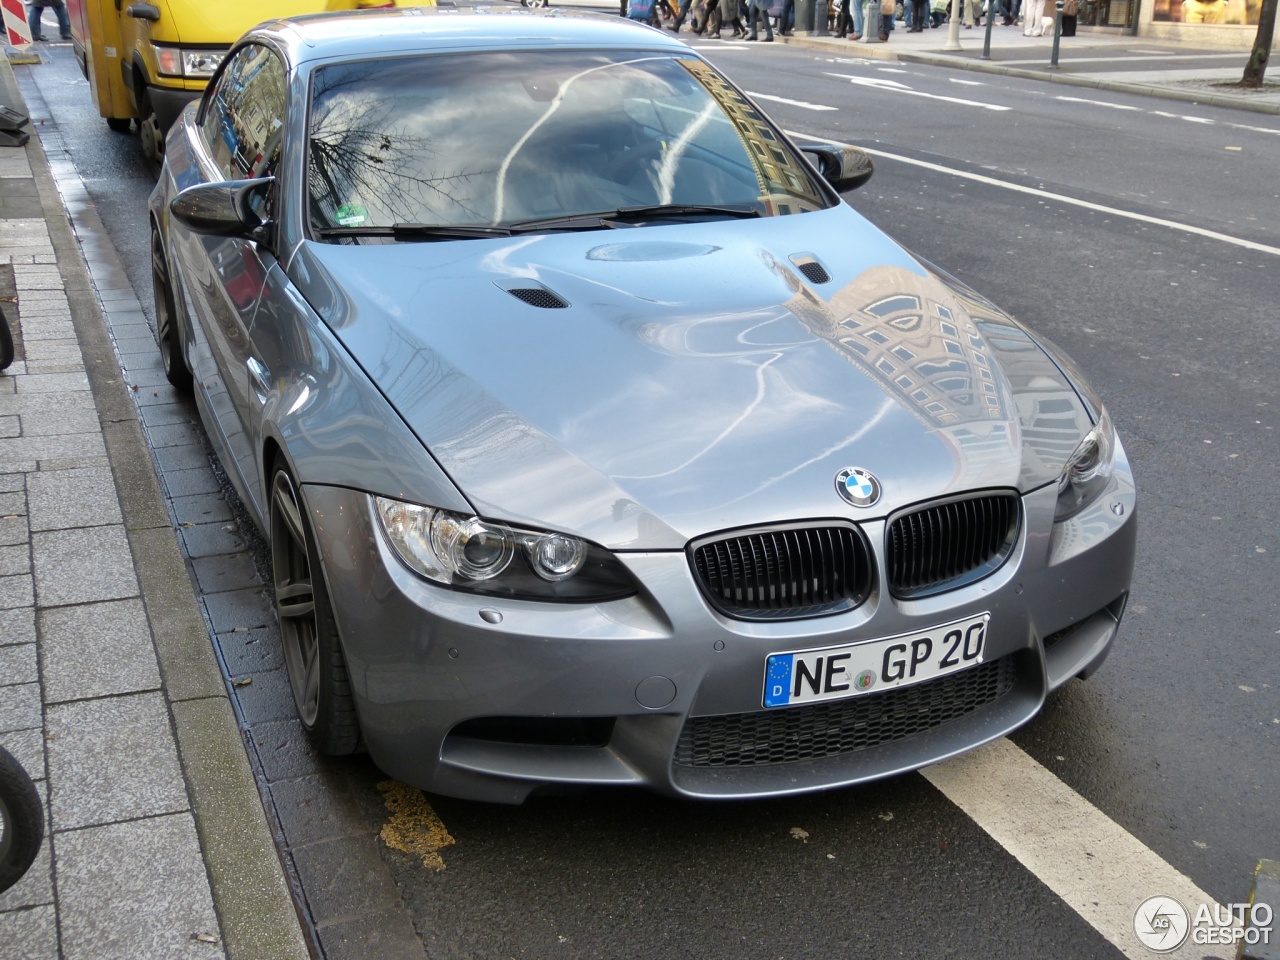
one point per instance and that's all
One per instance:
(534, 294)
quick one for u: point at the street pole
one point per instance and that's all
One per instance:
(953, 28)
(991, 18)
(1057, 32)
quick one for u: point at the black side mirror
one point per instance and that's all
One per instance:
(142, 11)
(225, 208)
(845, 168)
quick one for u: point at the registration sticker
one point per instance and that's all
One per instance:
(834, 673)
(351, 215)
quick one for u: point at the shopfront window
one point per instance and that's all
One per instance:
(1207, 11)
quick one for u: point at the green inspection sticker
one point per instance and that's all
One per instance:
(352, 215)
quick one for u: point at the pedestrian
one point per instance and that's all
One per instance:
(59, 10)
(1070, 10)
(850, 19)
(788, 12)
(1033, 21)
(919, 15)
(681, 13)
(759, 11)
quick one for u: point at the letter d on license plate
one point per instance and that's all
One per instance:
(834, 673)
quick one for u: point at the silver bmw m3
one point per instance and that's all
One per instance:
(597, 440)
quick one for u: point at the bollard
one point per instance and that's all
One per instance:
(1057, 32)
(991, 18)
(871, 21)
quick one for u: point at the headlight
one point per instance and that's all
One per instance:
(183, 62)
(1088, 470)
(486, 557)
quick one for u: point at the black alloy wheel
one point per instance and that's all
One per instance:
(176, 370)
(312, 651)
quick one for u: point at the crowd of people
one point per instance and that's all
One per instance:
(847, 18)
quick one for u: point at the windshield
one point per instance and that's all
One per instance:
(496, 139)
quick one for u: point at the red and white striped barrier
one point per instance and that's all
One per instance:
(16, 31)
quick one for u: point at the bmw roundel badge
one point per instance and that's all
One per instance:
(857, 487)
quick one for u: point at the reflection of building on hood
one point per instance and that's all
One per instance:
(952, 364)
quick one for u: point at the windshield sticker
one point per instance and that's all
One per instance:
(351, 215)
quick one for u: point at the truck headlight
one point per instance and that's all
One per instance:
(195, 64)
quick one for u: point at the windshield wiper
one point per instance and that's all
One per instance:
(416, 231)
(632, 216)
(664, 211)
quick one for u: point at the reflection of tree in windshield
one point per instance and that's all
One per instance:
(364, 152)
(499, 138)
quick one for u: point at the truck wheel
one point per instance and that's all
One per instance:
(149, 129)
(119, 124)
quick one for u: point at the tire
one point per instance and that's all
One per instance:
(308, 632)
(21, 821)
(6, 342)
(119, 124)
(176, 370)
(149, 130)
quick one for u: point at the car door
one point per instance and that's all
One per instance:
(241, 130)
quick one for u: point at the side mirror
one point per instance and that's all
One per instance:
(142, 11)
(225, 208)
(845, 168)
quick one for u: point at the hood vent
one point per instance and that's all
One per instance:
(813, 271)
(534, 294)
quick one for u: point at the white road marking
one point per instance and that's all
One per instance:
(1100, 870)
(895, 87)
(1097, 103)
(791, 103)
(1061, 198)
(967, 83)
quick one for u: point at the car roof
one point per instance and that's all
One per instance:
(357, 34)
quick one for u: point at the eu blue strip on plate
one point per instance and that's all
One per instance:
(777, 680)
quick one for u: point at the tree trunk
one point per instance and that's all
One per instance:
(1256, 68)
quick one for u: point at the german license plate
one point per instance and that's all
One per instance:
(834, 673)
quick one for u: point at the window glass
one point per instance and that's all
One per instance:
(244, 120)
(493, 139)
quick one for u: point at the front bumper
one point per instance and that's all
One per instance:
(660, 690)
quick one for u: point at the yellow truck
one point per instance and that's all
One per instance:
(147, 59)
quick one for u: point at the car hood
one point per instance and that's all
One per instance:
(640, 387)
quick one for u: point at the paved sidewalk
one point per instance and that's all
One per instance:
(110, 694)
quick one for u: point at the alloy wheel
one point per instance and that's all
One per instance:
(292, 577)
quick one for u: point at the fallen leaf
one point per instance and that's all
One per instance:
(204, 937)
(414, 827)
(242, 682)
(800, 834)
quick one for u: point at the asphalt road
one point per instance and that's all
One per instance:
(1175, 738)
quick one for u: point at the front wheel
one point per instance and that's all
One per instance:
(176, 370)
(21, 821)
(308, 632)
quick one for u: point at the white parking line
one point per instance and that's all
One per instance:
(1098, 103)
(1101, 871)
(792, 103)
(1060, 198)
(894, 86)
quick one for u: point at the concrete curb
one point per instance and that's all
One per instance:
(251, 896)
